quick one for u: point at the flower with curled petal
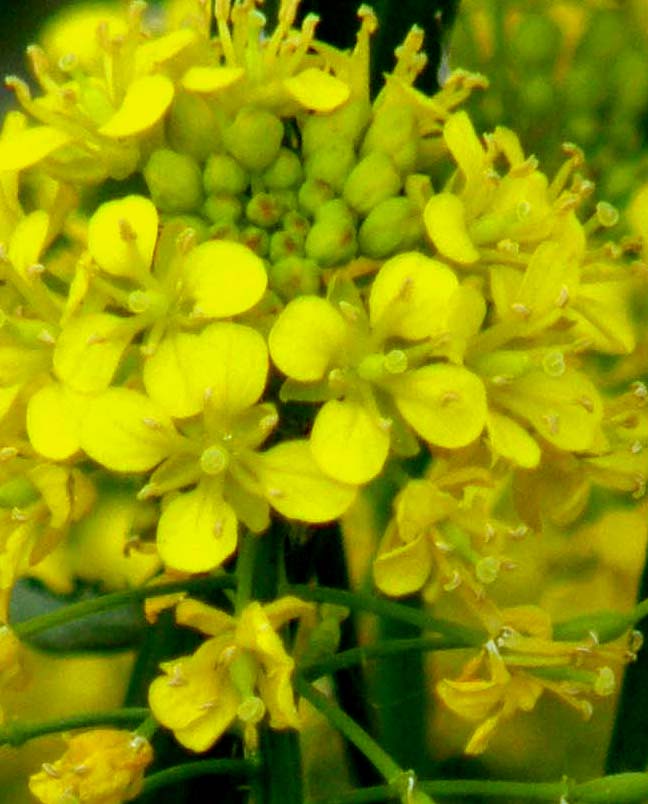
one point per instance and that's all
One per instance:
(239, 674)
(104, 766)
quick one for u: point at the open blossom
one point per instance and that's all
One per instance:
(242, 672)
(104, 766)
(521, 662)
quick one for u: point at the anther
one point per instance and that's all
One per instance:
(137, 742)
(553, 422)
(563, 297)
(36, 269)
(50, 770)
(45, 336)
(126, 231)
(276, 493)
(636, 447)
(586, 402)
(521, 309)
(177, 678)
(152, 424)
(448, 397)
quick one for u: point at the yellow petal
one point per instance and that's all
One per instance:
(306, 338)
(317, 91)
(30, 146)
(464, 145)
(145, 102)
(207, 619)
(204, 732)
(402, 568)
(122, 235)
(197, 531)
(173, 375)
(445, 223)
(89, 349)
(160, 49)
(234, 365)
(410, 296)
(471, 700)
(53, 422)
(566, 410)
(28, 241)
(125, 431)
(223, 278)
(297, 488)
(446, 405)
(211, 79)
(511, 441)
(348, 442)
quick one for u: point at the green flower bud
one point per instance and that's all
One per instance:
(605, 38)
(255, 239)
(285, 172)
(538, 96)
(294, 223)
(583, 129)
(224, 231)
(629, 74)
(394, 131)
(174, 181)
(295, 276)
(254, 138)
(392, 225)
(180, 223)
(536, 40)
(263, 209)
(371, 181)
(583, 90)
(622, 788)
(17, 492)
(332, 240)
(287, 199)
(223, 209)
(349, 121)
(192, 127)
(331, 163)
(285, 244)
(312, 194)
(224, 176)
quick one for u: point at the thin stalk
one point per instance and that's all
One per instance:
(18, 733)
(387, 647)
(354, 733)
(84, 608)
(359, 601)
(193, 770)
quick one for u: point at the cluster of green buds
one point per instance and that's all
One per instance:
(238, 297)
(544, 59)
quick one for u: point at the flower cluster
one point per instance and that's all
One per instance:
(236, 292)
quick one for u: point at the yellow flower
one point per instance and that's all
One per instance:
(374, 379)
(444, 535)
(522, 661)
(241, 673)
(210, 384)
(99, 767)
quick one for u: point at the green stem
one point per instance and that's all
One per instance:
(539, 791)
(15, 734)
(245, 566)
(387, 647)
(77, 611)
(359, 601)
(193, 770)
(356, 735)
